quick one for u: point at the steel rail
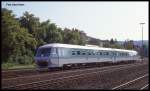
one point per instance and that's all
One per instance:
(70, 71)
(129, 82)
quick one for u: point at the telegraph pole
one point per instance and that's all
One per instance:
(142, 40)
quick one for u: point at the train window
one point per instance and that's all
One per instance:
(120, 54)
(115, 53)
(100, 53)
(73, 52)
(83, 53)
(78, 52)
(125, 54)
(93, 53)
(97, 53)
(107, 53)
(89, 53)
(103, 53)
(44, 52)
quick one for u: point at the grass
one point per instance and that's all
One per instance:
(16, 66)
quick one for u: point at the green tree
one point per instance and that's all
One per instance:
(73, 36)
(115, 44)
(53, 34)
(32, 24)
(128, 44)
(112, 41)
(17, 43)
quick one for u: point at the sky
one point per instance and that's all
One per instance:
(102, 20)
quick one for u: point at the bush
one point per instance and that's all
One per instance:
(17, 66)
(7, 65)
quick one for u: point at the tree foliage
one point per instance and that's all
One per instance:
(17, 43)
(21, 36)
(128, 44)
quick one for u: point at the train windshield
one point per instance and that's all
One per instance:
(43, 52)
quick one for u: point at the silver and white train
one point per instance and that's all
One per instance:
(57, 55)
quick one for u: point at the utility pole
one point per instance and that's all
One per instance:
(142, 51)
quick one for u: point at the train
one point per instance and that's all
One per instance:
(57, 55)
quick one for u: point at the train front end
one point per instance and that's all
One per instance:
(43, 58)
(47, 57)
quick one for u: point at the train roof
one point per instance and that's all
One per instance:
(84, 47)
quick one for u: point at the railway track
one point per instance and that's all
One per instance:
(16, 73)
(73, 78)
(13, 73)
(137, 83)
(28, 79)
(6, 74)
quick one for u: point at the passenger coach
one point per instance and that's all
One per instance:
(57, 55)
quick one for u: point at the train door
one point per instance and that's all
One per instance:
(55, 57)
(114, 55)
